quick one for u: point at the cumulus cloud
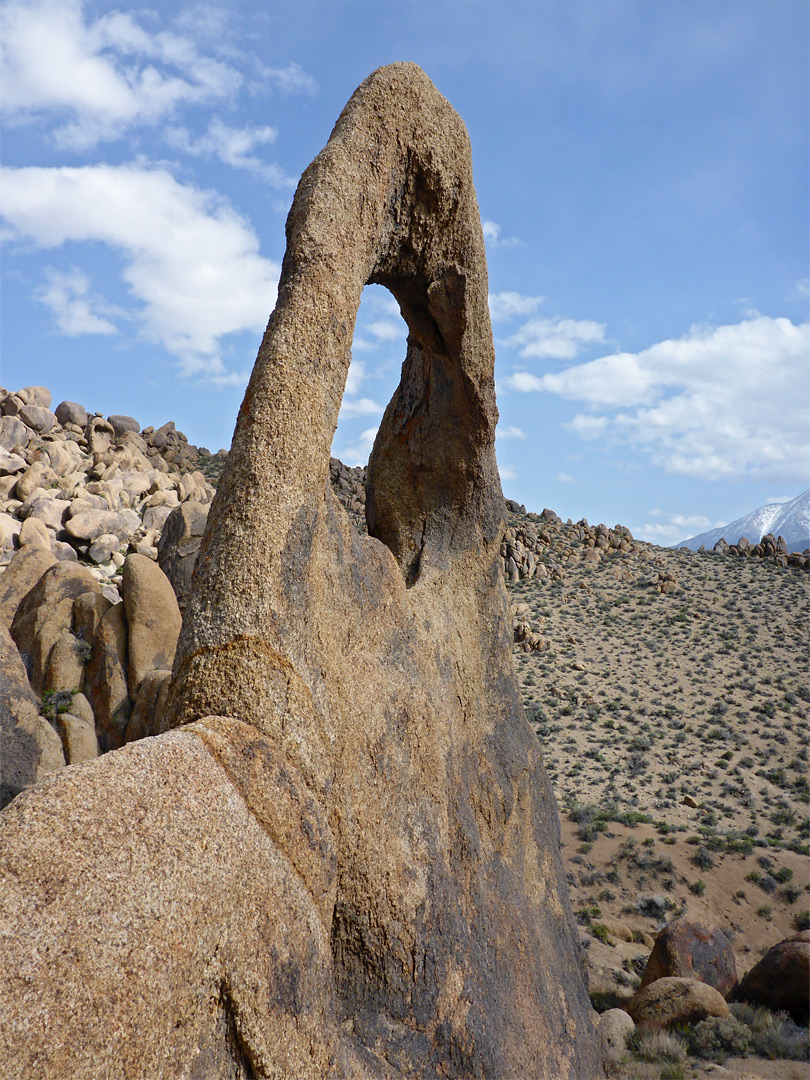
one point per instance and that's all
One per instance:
(522, 381)
(68, 297)
(588, 427)
(357, 453)
(191, 261)
(507, 472)
(387, 330)
(359, 407)
(234, 147)
(355, 377)
(106, 75)
(509, 433)
(723, 401)
(555, 339)
(492, 235)
(508, 305)
(291, 79)
(676, 527)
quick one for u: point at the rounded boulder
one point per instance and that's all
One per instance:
(671, 1001)
(691, 949)
(781, 979)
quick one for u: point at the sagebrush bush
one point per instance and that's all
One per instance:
(718, 1038)
(773, 1034)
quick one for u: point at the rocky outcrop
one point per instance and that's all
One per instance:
(770, 547)
(74, 646)
(91, 488)
(376, 886)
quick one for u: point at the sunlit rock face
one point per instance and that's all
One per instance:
(343, 857)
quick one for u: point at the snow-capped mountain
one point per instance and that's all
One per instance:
(790, 519)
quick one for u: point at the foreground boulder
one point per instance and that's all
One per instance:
(691, 949)
(346, 861)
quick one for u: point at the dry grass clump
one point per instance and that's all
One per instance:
(653, 1055)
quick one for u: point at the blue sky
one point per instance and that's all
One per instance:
(641, 169)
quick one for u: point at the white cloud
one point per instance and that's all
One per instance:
(106, 75)
(360, 407)
(566, 478)
(361, 345)
(802, 288)
(726, 401)
(67, 296)
(355, 377)
(507, 305)
(507, 472)
(386, 330)
(509, 433)
(676, 527)
(588, 427)
(291, 79)
(523, 381)
(234, 147)
(357, 453)
(555, 339)
(190, 260)
(492, 235)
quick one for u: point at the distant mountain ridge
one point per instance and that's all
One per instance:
(790, 519)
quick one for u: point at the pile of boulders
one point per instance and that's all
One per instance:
(540, 545)
(691, 976)
(88, 488)
(88, 619)
(81, 674)
(770, 547)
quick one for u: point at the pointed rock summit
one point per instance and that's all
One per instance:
(343, 857)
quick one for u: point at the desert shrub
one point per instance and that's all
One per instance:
(698, 887)
(773, 1034)
(55, 702)
(703, 859)
(658, 1046)
(600, 932)
(585, 915)
(801, 920)
(652, 907)
(718, 1038)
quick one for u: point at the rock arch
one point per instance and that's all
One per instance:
(347, 719)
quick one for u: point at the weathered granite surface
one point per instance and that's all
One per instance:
(345, 861)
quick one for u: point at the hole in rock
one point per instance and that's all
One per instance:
(378, 350)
